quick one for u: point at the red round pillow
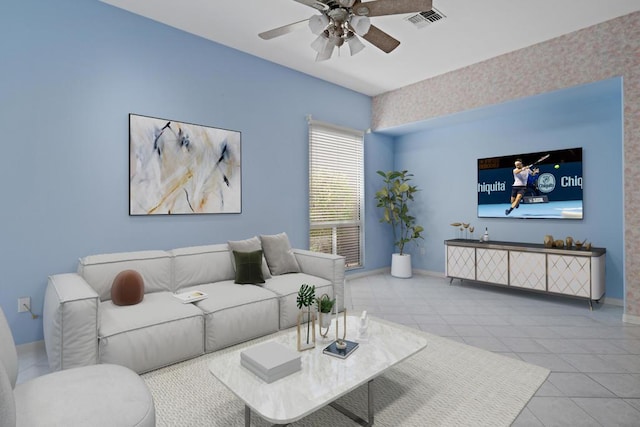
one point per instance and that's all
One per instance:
(127, 288)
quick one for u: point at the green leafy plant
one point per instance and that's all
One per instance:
(325, 304)
(394, 198)
(306, 297)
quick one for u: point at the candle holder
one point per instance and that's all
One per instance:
(341, 344)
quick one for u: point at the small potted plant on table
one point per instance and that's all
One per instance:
(325, 306)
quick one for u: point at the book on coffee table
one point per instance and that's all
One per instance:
(190, 296)
(271, 361)
(333, 350)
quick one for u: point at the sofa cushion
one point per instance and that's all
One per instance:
(280, 257)
(234, 314)
(195, 265)
(96, 396)
(127, 288)
(248, 267)
(249, 245)
(100, 270)
(159, 331)
(287, 286)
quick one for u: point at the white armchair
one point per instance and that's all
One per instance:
(97, 395)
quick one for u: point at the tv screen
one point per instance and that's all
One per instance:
(547, 184)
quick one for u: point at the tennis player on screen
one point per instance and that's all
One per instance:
(520, 178)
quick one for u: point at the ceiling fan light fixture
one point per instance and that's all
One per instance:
(360, 24)
(355, 45)
(318, 23)
(326, 52)
(320, 43)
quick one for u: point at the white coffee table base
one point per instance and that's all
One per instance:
(367, 423)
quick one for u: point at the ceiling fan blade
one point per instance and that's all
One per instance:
(380, 39)
(316, 4)
(286, 29)
(391, 7)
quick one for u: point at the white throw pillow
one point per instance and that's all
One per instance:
(279, 255)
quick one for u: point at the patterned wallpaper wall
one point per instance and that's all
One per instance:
(605, 50)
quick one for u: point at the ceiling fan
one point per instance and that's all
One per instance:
(342, 21)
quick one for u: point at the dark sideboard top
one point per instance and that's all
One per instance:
(525, 247)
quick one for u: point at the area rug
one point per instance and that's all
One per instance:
(446, 384)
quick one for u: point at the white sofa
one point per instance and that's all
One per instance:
(82, 326)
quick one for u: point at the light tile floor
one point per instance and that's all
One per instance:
(594, 357)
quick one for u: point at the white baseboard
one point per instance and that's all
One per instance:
(430, 273)
(614, 301)
(360, 274)
(30, 346)
(630, 318)
(387, 270)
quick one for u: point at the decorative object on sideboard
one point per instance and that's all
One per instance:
(394, 198)
(463, 227)
(569, 242)
(587, 245)
(304, 301)
(559, 243)
(341, 342)
(579, 244)
(325, 307)
(548, 241)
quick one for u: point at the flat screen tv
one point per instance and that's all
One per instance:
(553, 185)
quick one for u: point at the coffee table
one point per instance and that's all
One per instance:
(323, 378)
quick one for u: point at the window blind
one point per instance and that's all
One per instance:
(336, 191)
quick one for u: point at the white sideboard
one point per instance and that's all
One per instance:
(573, 272)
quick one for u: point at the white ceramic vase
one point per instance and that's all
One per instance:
(401, 266)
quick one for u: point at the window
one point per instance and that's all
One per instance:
(336, 190)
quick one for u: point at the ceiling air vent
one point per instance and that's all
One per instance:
(429, 17)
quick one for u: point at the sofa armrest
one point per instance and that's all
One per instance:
(70, 322)
(327, 266)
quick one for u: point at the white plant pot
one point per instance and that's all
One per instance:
(326, 320)
(401, 265)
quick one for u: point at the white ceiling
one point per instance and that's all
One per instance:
(472, 31)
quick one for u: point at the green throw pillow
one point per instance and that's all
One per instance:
(248, 267)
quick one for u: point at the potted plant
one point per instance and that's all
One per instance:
(325, 306)
(304, 300)
(394, 198)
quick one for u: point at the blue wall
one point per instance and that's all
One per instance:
(72, 72)
(442, 153)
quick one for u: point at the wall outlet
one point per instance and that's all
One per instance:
(22, 302)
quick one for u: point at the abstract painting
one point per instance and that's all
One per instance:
(182, 168)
